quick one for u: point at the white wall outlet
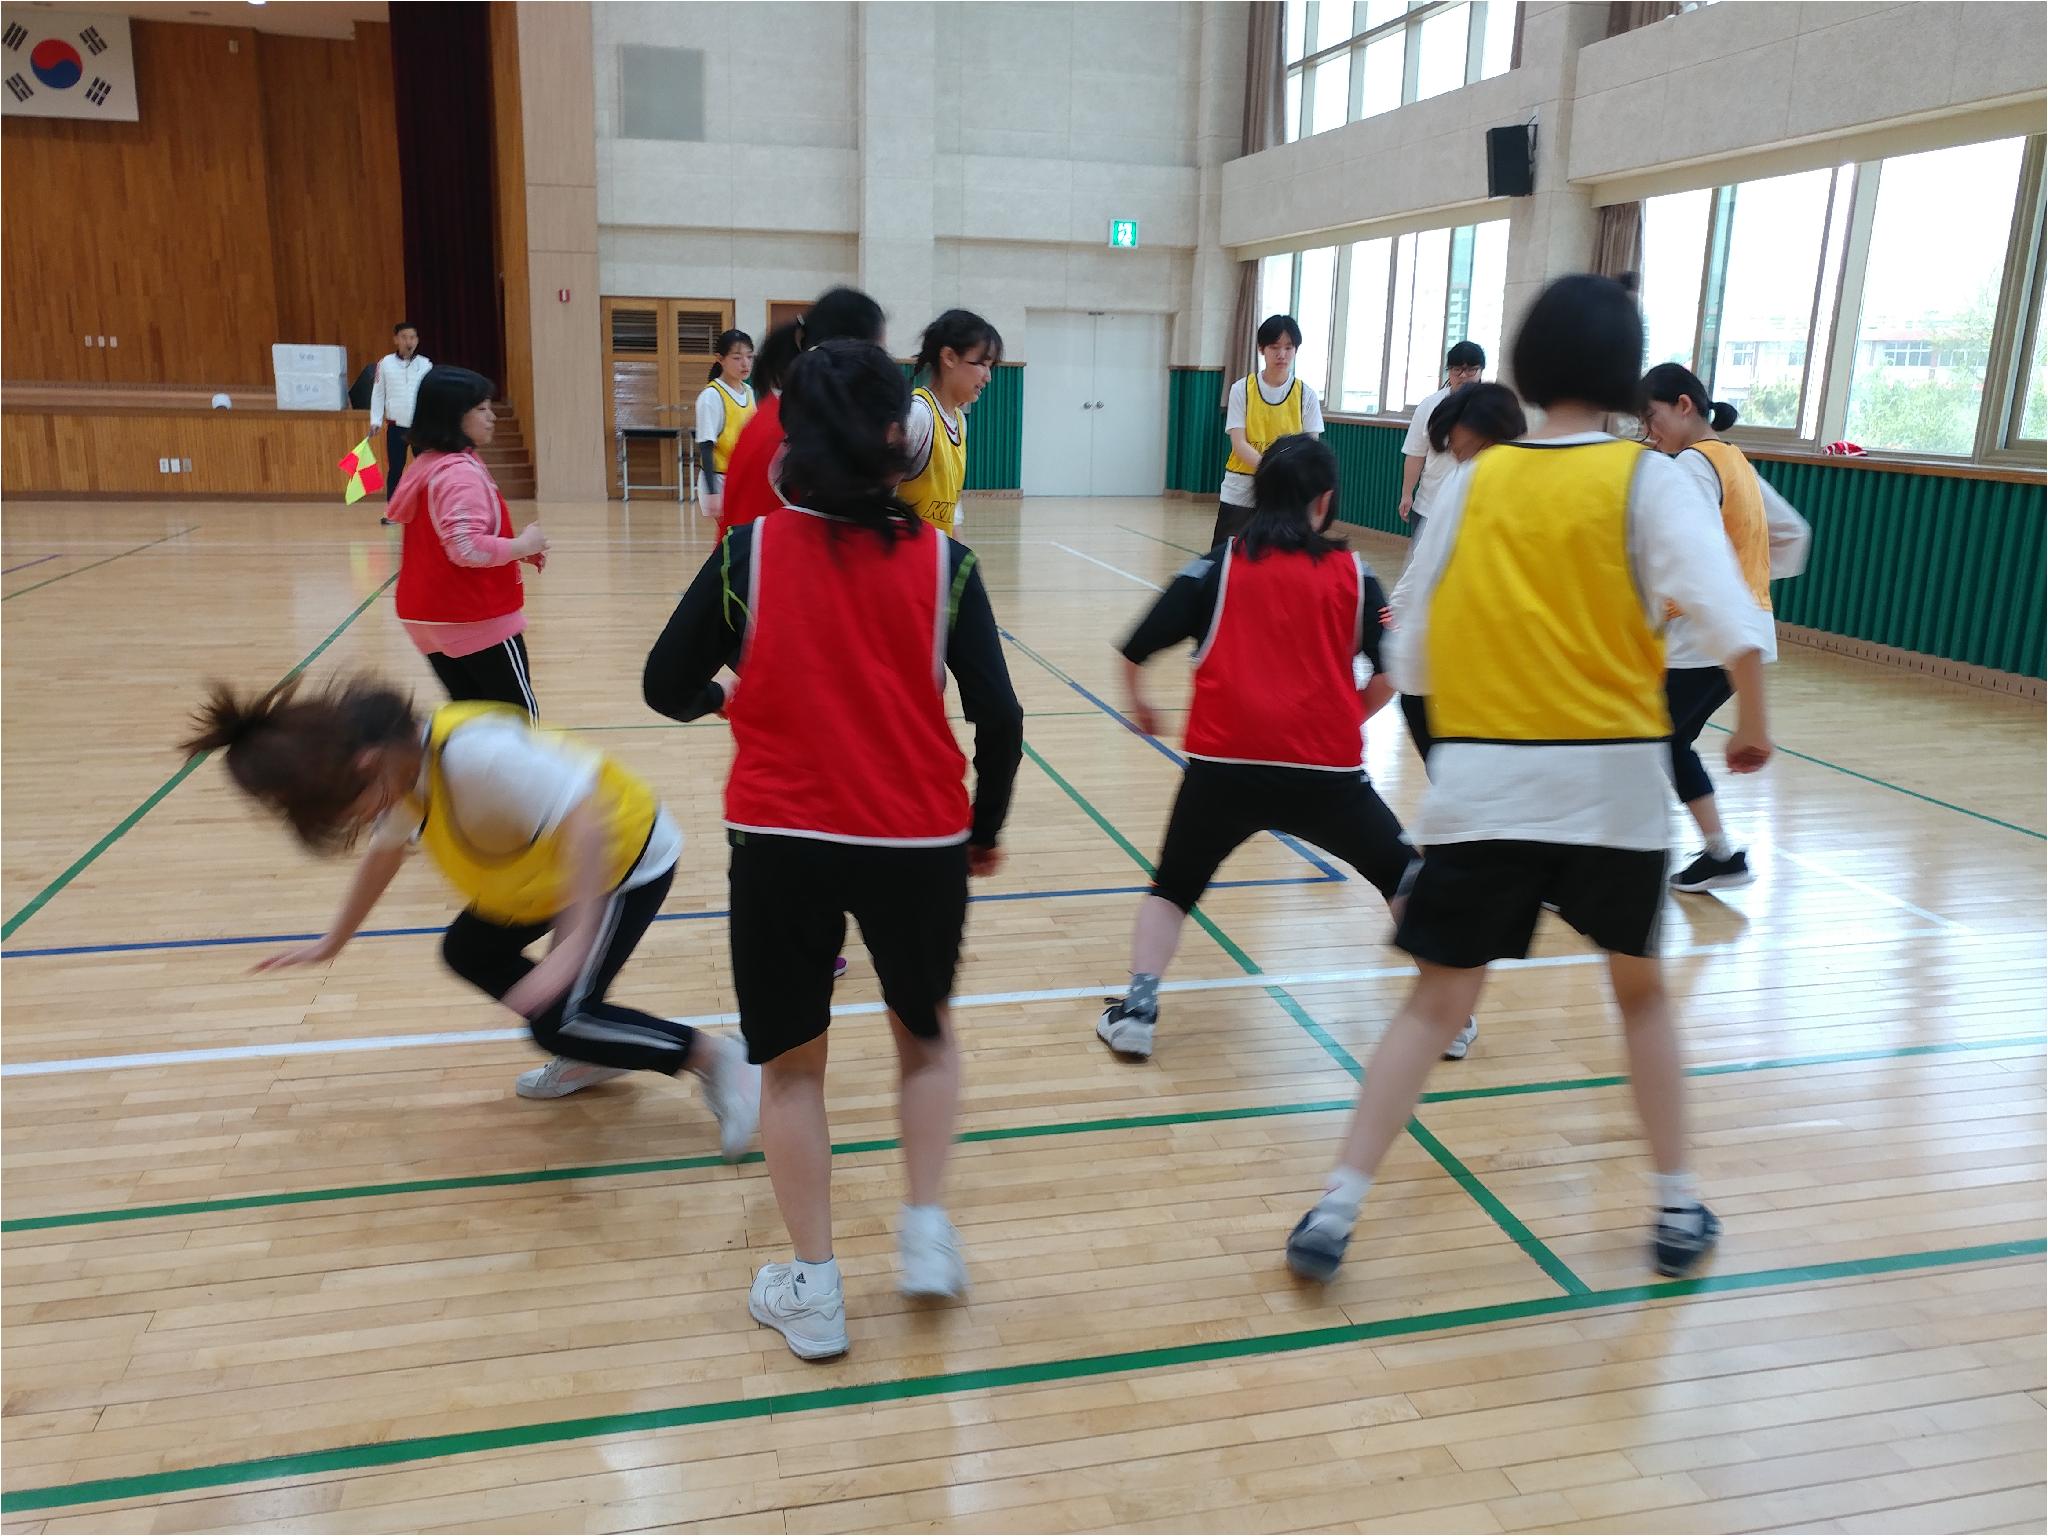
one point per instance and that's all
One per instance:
(163, 466)
(187, 469)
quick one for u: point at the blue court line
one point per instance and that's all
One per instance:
(231, 941)
(1321, 865)
(10, 570)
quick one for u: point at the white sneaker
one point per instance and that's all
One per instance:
(732, 1092)
(929, 1252)
(813, 1322)
(1128, 1034)
(562, 1077)
(1462, 1041)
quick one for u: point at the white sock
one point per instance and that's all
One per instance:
(818, 1279)
(1676, 1191)
(1343, 1193)
(924, 1219)
(1719, 846)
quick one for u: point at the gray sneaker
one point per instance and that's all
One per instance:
(1316, 1246)
(1462, 1041)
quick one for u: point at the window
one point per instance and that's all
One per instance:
(1276, 287)
(1894, 303)
(1377, 316)
(1349, 61)
(1937, 257)
(1365, 326)
(1314, 310)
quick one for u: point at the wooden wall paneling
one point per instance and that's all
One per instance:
(339, 261)
(509, 169)
(281, 454)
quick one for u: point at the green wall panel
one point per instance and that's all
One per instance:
(1195, 444)
(1945, 566)
(1931, 563)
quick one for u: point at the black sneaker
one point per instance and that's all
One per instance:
(1707, 873)
(1683, 1238)
(1126, 1033)
(1316, 1247)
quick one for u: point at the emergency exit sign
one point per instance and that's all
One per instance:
(1124, 233)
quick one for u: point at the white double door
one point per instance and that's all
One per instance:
(1094, 404)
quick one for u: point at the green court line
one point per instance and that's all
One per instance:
(82, 569)
(569, 1172)
(1538, 1251)
(306, 1464)
(1871, 778)
(1127, 528)
(127, 823)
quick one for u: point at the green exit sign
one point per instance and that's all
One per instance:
(1124, 233)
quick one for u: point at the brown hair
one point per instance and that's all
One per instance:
(297, 757)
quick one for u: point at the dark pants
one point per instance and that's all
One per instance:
(579, 1024)
(1221, 806)
(394, 456)
(1230, 522)
(1693, 693)
(497, 673)
(1415, 710)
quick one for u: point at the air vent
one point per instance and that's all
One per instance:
(634, 330)
(661, 93)
(697, 331)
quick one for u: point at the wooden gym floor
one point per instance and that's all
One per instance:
(286, 1252)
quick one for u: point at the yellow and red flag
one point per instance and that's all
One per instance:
(365, 474)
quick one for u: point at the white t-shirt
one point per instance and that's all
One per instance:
(507, 786)
(1790, 538)
(1436, 466)
(1615, 795)
(1237, 489)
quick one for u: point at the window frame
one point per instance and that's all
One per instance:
(1829, 368)
(1298, 75)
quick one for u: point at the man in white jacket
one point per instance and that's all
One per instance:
(391, 399)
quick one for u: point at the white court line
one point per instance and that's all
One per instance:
(1873, 892)
(269, 1050)
(1115, 570)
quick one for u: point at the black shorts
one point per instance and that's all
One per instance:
(1230, 521)
(790, 901)
(1478, 902)
(1222, 805)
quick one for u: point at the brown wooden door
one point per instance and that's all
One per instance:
(657, 355)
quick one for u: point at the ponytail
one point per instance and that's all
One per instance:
(1292, 476)
(838, 405)
(1672, 382)
(298, 757)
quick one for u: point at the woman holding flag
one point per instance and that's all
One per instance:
(460, 593)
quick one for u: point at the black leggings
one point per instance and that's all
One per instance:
(579, 1024)
(1223, 805)
(1415, 710)
(497, 672)
(1693, 693)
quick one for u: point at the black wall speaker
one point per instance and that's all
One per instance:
(1511, 161)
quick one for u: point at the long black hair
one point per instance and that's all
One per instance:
(840, 456)
(446, 396)
(1672, 382)
(1293, 474)
(843, 314)
(727, 340)
(962, 330)
(1491, 410)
